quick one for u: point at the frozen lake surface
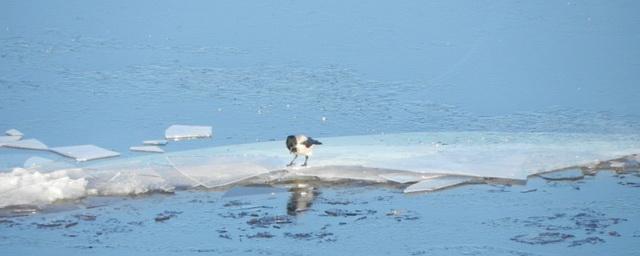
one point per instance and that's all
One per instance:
(114, 74)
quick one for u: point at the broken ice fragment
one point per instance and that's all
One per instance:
(179, 132)
(407, 177)
(155, 142)
(85, 152)
(14, 132)
(152, 149)
(567, 174)
(6, 139)
(437, 183)
(27, 144)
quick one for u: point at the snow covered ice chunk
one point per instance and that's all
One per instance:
(155, 142)
(179, 132)
(437, 183)
(29, 187)
(27, 144)
(14, 132)
(152, 149)
(85, 152)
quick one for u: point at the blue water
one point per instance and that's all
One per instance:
(116, 73)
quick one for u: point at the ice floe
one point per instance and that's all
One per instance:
(433, 160)
(33, 144)
(155, 142)
(152, 149)
(14, 132)
(438, 183)
(85, 152)
(179, 132)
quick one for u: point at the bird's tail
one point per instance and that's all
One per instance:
(314, 142)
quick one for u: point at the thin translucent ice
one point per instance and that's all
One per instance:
(179, 132)
(14, 132)
(216, 171)
(437, 184)
(85, 152)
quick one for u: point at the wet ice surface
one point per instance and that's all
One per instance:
(594, 216)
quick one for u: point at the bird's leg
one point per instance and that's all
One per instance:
(294, 158)
(305, 160)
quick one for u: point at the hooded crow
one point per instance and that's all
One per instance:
(301, 145)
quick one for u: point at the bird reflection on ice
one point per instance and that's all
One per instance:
(301, 199)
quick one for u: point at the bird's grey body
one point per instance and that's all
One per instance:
(301, 145)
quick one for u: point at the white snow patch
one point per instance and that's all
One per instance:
(27, 144)
(14, 132)
(85, 152)
(216, 171)
(152, 149)
(29, 187)
(180, 132)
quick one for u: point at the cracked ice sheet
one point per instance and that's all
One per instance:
(180, 132)
(85, 152)
(27, 144)
(374, 157)
(217, 171)
(482, 154)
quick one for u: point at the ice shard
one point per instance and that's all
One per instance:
(151, 149)
(438, 183)
(155, 142)
(7, 139)
(180, 132)
(14, 132)
(27, 144)
(85, 152)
